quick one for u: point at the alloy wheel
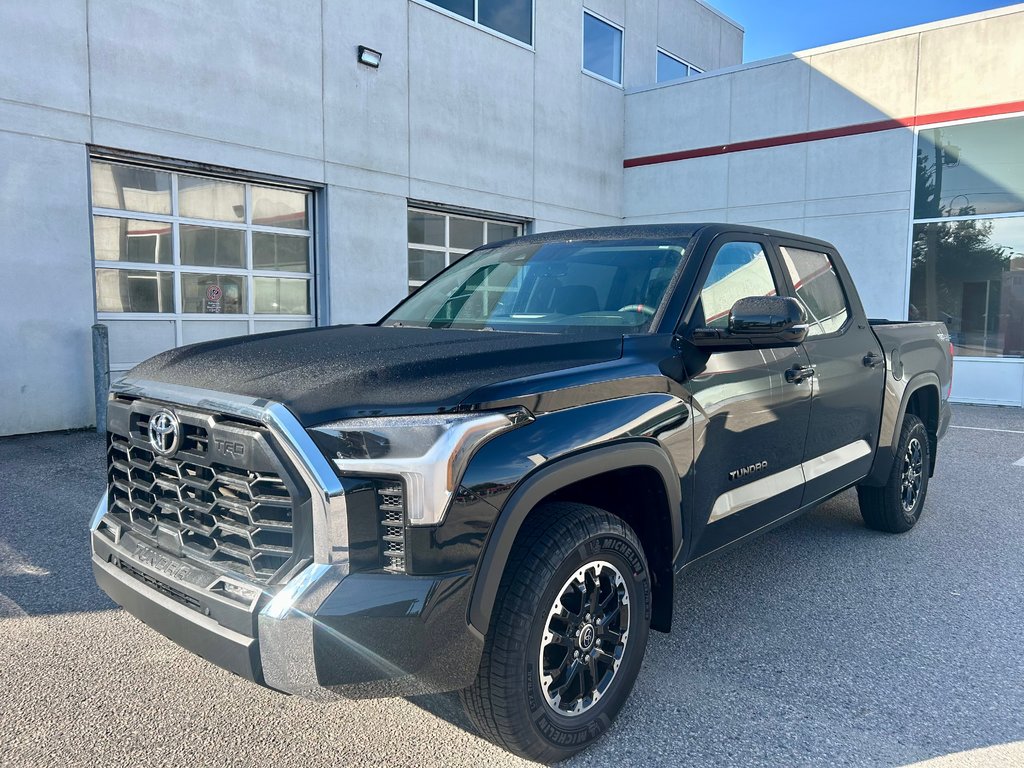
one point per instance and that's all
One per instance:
(584, 639)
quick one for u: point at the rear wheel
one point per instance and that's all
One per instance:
(568, 633)
(896, 506)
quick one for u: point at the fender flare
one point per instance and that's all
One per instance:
(546, 480)
(886, 454)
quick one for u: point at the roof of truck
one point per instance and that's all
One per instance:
(661, 232)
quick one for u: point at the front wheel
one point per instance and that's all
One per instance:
(568, 633)
(896, 506)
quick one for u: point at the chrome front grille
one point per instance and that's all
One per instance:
(391, 508)
(237, 520)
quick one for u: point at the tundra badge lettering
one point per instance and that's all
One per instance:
(736, 474)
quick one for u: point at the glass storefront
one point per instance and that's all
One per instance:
(967, 260)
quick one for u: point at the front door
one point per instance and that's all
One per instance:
(849, 374)
(749, 422)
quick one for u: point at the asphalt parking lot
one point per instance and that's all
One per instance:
(821, 643)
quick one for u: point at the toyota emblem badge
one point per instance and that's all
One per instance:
(164, 434)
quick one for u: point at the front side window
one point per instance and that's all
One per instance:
(740, 270)
(673, 68)
(602, 48)
(548, 287)
(197, 248)
(512, 18)
(818, 289)
(438, 239)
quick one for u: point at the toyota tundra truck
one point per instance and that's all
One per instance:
(492, 489)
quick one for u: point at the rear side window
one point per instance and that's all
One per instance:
(740, 270)
(818, 289)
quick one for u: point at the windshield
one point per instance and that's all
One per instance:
(551, 287)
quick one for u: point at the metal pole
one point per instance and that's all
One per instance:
(101, 373)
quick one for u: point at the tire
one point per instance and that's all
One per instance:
(559, 547)
(896, 506)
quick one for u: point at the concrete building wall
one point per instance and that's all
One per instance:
(455, 115)
(751, 154)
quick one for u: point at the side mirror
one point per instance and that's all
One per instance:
(756, 322)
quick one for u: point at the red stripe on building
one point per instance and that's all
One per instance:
(829, 133)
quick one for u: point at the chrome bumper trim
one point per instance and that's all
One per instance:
(285, 626)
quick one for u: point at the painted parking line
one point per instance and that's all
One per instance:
(988, 429)
(1019, 462)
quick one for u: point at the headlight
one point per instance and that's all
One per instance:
(429, 453)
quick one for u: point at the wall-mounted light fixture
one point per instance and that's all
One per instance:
(369, 57)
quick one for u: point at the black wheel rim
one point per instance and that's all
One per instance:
(913, 475)
(584, 638)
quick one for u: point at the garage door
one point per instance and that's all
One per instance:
(182, 258)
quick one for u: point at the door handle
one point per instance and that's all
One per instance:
(799, 373)
(872, 359)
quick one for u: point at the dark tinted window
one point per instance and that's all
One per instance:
(970, 169)
(510, 17)
(513, 18)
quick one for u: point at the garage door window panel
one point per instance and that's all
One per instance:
(130, 290)
(213, 199)
(280, 208)
(212, 247)
(280, 252)
(133, 240)
(129, 188)
(438, 239)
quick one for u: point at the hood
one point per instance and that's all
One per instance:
(324, 374)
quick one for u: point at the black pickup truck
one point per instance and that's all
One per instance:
(492, 489)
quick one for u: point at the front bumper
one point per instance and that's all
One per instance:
(327, 630)
(326, 633)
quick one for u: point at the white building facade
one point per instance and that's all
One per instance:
(181, 175)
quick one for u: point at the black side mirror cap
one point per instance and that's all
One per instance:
(757, 322)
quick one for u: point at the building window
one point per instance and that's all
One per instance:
(602, 48)
(511, 18)
(189, 248)
(673, 68)
(967, 252)
(438, 240)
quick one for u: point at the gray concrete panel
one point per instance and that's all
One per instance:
(45, 326)
(44, 54)
(229, 71)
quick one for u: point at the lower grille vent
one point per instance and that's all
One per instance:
(159, 586)
(391, 506)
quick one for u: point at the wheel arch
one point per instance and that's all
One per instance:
(587, 476)
(921, 397)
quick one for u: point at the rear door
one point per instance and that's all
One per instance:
(749, 423)
(849, 371)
